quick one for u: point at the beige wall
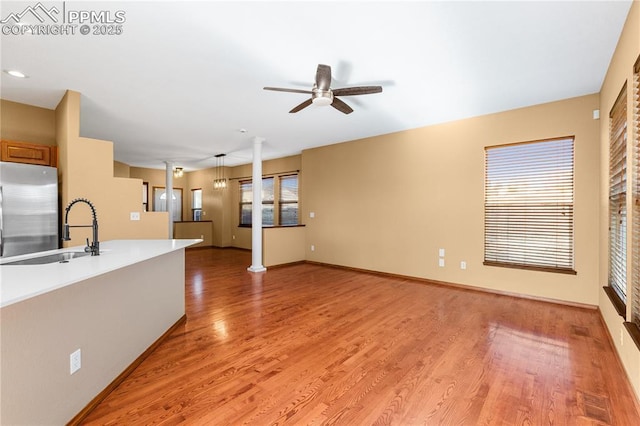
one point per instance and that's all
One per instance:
(620, 71)
(26, 123)
(282, 245)
(194, 230)
(121, 170)
(215, 204)
(86, 171)
(158, 178)
(241, 236)
(222, 207)
(388, 203)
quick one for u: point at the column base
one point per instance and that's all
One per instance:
(258, 268)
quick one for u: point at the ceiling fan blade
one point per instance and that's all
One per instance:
(341, 106)
(363, 90)
(302, 105)
(280, 89)
(323, 77)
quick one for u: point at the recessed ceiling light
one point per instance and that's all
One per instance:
(16, 73)
(242, 130)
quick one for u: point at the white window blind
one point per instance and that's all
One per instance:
(196, 204)
(288, 200)
(246, 202)
(618, 196)
(529, 205)
(635, 311)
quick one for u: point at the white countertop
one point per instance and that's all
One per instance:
(21, 282)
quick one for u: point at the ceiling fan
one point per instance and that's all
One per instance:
(322, 94)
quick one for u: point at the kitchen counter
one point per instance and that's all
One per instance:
(112, 308)
(21, 282)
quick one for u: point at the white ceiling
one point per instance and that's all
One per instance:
(184, 77)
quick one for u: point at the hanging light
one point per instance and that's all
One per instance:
(220, 182)
(177, 172)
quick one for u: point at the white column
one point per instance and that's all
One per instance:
(168, 192)
(256, 210)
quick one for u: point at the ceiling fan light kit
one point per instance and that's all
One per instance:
(322, 97)
(322, 94)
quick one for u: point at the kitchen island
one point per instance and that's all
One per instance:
(111, 307)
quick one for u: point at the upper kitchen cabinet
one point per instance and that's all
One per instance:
(30, 153)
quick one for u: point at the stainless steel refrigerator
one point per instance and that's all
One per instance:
(28, 208)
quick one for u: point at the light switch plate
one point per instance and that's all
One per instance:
(441, 262)
(441, 252)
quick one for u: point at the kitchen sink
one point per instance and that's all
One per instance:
(49, 258)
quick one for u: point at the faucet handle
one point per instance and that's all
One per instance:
(65, 232)
(87, 249)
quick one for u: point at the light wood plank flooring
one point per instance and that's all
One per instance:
(308, 344)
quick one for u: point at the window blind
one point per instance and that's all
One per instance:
(246, 199)
(288, 200)
(618, 196)
(246, 202)
(635, 311)
(529, 205)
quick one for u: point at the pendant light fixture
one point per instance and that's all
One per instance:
(177, 172)
(220, 182)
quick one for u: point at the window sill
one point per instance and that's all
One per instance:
(616, 301)
(530, 267)
(191, 221)
(271, 226)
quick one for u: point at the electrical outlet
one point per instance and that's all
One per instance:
(313, 248)
(75, 361)
(202, 237)
(134, 215)
(441, 262)
(463, 265)
(233, 237)
(312, 214)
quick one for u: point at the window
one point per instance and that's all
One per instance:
(246, 202)
(160, 201)
(529, 205)
(279, 201)
(288, 200)
(196, 204)
(145, 196)
(618, 201)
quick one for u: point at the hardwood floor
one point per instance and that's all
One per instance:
(308, 344)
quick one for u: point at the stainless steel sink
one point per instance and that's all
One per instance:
(50, 258)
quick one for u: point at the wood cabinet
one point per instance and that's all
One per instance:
(30, 153)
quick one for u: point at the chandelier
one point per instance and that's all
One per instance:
(220, 182)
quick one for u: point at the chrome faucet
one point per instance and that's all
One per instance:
(94, 247)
